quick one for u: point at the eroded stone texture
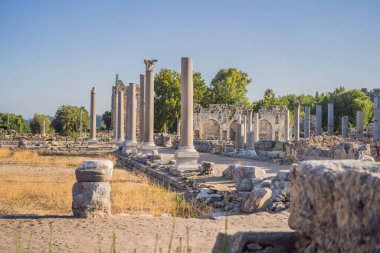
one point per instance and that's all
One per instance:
(335, 206)
(259, 199)
(94, 171)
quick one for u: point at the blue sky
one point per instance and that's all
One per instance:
(53, 52)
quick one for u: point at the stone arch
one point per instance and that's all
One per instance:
(210, 129)
(233, 128)
(265, 130)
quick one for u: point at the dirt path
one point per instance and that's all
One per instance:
(132, 232)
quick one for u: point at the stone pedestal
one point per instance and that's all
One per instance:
(345, 126)
(91, 192)
(318, 125)
(186, 156)
(256, 127)
(330, 119)
(148, 146)
(142, 110)
(306, 122)
(250, 141)
(296, 121)
(92, 139)
(359, 124)
(130, 145)
(287, 128)
(120, 120)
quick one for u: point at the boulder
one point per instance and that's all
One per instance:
(94, 171)
(335, 205)
(206, 168)
(91, 199)
(260, 199)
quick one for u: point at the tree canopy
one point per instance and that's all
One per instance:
(67, 120)
(107, 119)
(36, 124)
(16, 122)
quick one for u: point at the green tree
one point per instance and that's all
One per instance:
(36, 124)
(229, 86)
(106, 117)
(67, 120)
(200, 90)
(167, 100)
(16, 122)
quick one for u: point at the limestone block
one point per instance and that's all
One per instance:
(260, 199)
(94, 171)
(335, 205)
(91, 199)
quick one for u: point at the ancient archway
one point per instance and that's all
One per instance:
(210, 130)
(233, 127)
(265, 130)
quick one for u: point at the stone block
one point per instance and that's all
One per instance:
(260, 199)
(94, 171)
(335, 205)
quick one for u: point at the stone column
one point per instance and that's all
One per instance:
(92, 138)
(287, 123)
(376, 123)
(186, 156)
(240, 136)
(250, 140)
(148, 145)
(120, 120)
(115, 115)
(306, 122)
(130, 144)
(318, 125)
(142, 108)
(43, 129)
(179, 127)
(245, 128)
(359, 124)
(296, 121)
(345, 126)
(249, 125)
(330, 119)
(256, 127)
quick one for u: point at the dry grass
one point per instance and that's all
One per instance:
(42, 190)
(33, 158)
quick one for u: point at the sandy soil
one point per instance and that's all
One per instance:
(133, 233)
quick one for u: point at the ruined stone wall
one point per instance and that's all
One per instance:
(218, 122)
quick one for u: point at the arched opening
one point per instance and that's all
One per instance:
(211, 130)
(265, 130)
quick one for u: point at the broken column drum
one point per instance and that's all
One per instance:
(92, 138)
(91, 192)
(186, 156)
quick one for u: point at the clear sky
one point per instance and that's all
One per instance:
(53, 52)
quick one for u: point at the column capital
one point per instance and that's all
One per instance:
(296, 104)
(93, 90)
(149, 64)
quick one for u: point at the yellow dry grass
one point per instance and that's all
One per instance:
(47, 191)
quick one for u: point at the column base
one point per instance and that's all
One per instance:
(148, 148)
(186, 160)
(92, 142)
(130, 147)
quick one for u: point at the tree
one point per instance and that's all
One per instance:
(269, 94)
(36, 124)
(200, 90)
(107, 119)
(16, 122)
(229, 86)
(167, 100)
(67, 120)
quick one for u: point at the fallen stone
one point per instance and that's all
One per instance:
(259, 199)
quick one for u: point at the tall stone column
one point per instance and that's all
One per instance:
(345, 126)
(43, 129)
(186, 156)
(142, 108)
(330, 119)
(130, 144)
(179, 127)
(359, 124)
(256, 127)
(296, 121)
(92, 138)
(250, 118)
(306, 122)
(244, 128)
(148, 145)
(240, 136)
(114, 109)
(318, 125)
(376, 122)
(120, 116)
(287, 128)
